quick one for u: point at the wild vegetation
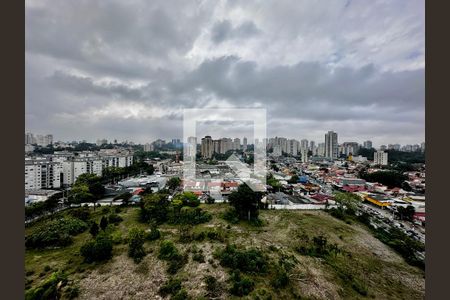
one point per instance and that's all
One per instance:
(287, 255)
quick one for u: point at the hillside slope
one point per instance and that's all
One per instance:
(362, 268)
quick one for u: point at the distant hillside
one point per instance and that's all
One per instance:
(291, 255)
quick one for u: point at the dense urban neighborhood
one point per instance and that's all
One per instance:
(85, 202)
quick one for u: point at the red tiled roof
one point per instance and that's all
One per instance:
(138, 191)
(353, 188)
(320, 197)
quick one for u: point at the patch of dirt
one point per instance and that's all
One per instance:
(122, 279)
(195, 284)
(309, 279)
(366, 241)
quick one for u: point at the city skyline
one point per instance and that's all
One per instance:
(128, 70)
(250, 141)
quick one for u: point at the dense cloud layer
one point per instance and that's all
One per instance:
(126, 69)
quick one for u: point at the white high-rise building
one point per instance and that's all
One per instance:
(304, 154)
(42, 174)
(380, 158)
(293, 147)
(331, 145)
(312, 146)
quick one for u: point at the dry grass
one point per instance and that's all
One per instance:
(386, 275)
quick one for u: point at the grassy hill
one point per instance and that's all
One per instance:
(362, 267)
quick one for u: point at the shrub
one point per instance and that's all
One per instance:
(136, 239)
(280, 279)
(231, 216)
(72, 292)
(153, 234)
(212, 286)
(48, 288)
(170, 253)
(240, 285)
(114, 219)
(249, 261)
(264, 294)
(55, 233)
(185, 233)
(181, 295)
(198, 257)
(103, 223)
(171, 287)
(81, 213)
(199, 236)
(189, 215)
(94, 229)
(167, 250)
(99, 249)
(116, 237)
(318, 246)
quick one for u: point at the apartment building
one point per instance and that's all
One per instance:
(42, 174)
(380, 158)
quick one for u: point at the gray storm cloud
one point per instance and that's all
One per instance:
(126, 70)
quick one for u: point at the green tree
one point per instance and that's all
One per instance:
(80, 194)
(187, 199)
(87, 188)
(173, 183)
(406, 213)
(94, 184)
(94, 229)
(103, 223)
(246, 202)
(347, 202)
(274, 183)
(136, 239)
(390, 178)
(98, 249)
(154, 207)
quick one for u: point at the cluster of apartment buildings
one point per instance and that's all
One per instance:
(39, 139)
(404, 148)
(209, 146)
(62, 168)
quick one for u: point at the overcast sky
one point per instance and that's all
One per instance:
(126, 69)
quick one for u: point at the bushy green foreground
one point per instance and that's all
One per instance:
(286, 255)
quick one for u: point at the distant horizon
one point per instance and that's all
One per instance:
(250, 141)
